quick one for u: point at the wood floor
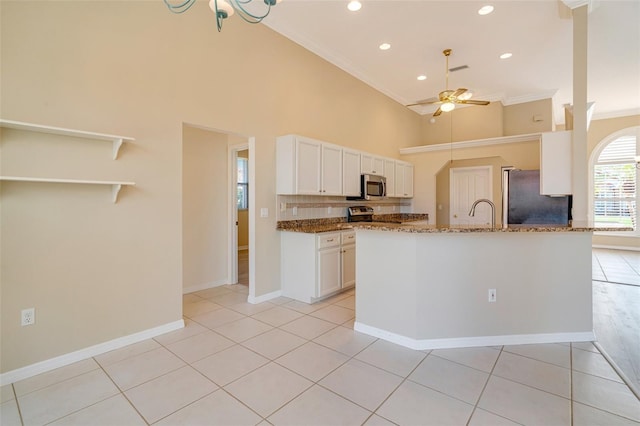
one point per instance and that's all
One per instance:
(616, 308)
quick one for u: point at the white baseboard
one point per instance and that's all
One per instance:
(603, 246)
(468, 342)
(66, 359)
(264, 297)
(203, 286)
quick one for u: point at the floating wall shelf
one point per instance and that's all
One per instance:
(115, 186)
(116, 140)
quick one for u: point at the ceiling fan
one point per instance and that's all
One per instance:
(449, 98)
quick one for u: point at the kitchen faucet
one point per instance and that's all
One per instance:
(472, 212)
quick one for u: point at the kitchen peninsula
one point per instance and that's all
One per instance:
(427, 287)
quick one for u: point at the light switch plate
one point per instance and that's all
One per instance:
(264, 212)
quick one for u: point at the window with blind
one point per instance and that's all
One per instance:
(615, 184)
(243, 183)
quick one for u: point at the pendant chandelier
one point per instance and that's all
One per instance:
(226, 8)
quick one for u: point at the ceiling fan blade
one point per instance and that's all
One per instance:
(438, 112)
(474, 102)
(459, 92)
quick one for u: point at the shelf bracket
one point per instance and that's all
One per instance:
(117, 143)
(115, 189)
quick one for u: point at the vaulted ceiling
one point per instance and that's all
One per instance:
(538, 33)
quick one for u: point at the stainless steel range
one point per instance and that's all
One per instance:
(360, 214)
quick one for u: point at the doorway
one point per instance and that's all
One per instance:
(240, 200)
(469, 184)
(242, 223)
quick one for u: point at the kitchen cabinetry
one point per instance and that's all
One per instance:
(390, 174)
(350, 173)
(314, 266)
(371, 164)
(555, 163)
(308, 167)
(404, 180)
(348, 259)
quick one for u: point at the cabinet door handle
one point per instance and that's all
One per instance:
(330, 240)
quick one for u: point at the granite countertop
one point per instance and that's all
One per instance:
(401, 222)
(314, 226)
(459, 229)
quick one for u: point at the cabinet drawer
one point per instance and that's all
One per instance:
(348, 237)
(328, 240)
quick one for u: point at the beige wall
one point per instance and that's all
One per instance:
(484, 122)
(520, 119)
(205, 193)
(94, 270)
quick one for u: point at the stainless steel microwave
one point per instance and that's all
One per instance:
(373, 187)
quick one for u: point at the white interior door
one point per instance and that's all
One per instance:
(468, 184)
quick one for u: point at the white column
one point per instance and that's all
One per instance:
(580, 168)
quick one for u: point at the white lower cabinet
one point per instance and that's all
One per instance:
(314, 266)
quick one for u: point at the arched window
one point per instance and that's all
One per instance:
(615, 179)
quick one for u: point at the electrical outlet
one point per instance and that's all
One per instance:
(294, 211)
(492, 295)
(329, 210)
(283, 207)
(28, 316)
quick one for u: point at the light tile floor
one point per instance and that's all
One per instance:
(287, 363)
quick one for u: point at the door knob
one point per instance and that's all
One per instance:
(455, 215)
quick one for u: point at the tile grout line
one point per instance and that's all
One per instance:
(122, 393)
(571, 383)
(493, 367)
(15, 396)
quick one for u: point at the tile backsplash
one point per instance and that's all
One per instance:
(296, 207)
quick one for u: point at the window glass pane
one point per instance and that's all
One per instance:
(243, 172)
(615, 195)
(243, 196)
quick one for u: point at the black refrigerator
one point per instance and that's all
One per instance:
(522, 203)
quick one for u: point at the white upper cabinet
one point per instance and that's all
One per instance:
(350, 173)
(331, 177)
(308, 160)
(371, 164)
(555, 163)
(404, 180)
(308, 167)
(390, 174)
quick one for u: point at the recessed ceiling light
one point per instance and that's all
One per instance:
(422, 77)
(354, 5)
(485, 10)
(506, 55)
(385, 46)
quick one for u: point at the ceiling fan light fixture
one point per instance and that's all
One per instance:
(466, 95)
(447, 106)
(354, 5)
